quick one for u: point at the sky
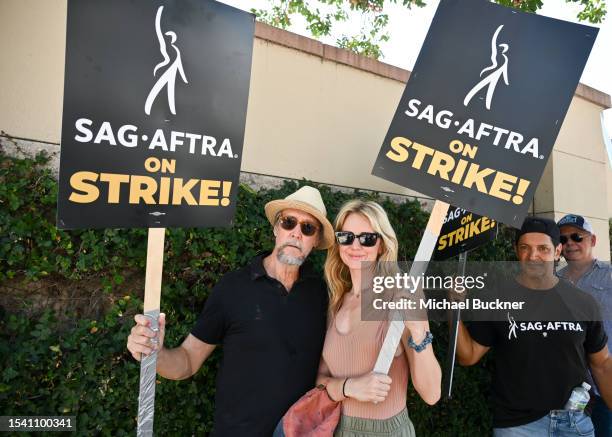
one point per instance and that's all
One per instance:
(412, 25)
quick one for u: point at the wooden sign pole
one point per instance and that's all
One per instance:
(419, 266)
(152, 297)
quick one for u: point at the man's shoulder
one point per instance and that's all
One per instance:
(237, 275)
(565, 287)
(603, 266)
(600, 267)
(582, 303)
(240, 275)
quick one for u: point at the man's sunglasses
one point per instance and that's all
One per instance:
(366, 239)
(575, 237)
(289, 222)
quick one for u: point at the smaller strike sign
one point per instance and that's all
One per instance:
(463, 231)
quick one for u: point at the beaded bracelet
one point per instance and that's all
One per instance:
(420, 347)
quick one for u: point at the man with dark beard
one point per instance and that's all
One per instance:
(270, 318)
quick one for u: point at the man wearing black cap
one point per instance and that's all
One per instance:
(594, 277)
(538, 364)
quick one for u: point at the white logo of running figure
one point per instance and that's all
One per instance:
(168, 78)
(512, 327)
(493, 77)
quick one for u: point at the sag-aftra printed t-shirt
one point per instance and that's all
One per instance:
(538, 363)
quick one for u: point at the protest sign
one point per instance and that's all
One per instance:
(485, 101)
(463, 231)
(155, 99)
(479, 116)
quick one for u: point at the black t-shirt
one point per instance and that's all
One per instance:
(272, 342)
(538, 363)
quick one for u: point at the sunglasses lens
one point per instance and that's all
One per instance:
(288, 223)
(576, 237)
(368, 239)
(345, 238)
(308, 229)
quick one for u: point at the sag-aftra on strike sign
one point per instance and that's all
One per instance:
(463, 231)
(484, 104)
(155, 103)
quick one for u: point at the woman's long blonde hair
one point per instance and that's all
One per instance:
(337, 274)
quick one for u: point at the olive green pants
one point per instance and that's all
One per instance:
(396, 426)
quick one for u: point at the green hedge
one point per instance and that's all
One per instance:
(59, 362)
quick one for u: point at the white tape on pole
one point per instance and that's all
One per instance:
(419, 266)
(152, 298)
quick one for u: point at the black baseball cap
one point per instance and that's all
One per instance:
(541, 225)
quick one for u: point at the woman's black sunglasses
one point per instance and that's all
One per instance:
(289, 222)
(575, 237)
(366, 239)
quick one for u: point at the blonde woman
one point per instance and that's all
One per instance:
(372, 404)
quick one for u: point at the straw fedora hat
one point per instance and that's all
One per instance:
(306, 199)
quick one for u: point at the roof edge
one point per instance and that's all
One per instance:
(342, 56)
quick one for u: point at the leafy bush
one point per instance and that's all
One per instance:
(63, 362)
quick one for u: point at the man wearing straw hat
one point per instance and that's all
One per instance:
(270, 318)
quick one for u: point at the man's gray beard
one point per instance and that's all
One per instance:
(288, 259)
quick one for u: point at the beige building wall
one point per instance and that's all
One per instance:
(580, 171)
(316, 118)
(315, 112)
(32, 44)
